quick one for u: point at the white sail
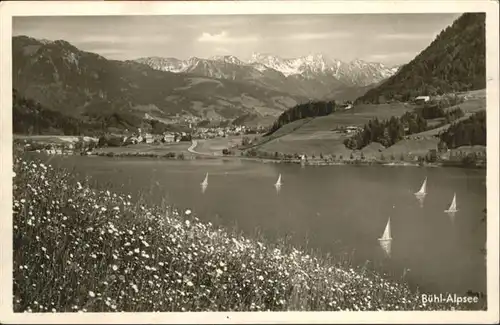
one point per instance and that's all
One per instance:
(387, 231)
(205, 181)
(423, 189)
(453, 205)
(386, 239)
(278, 182)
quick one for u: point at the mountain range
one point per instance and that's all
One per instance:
(64, 78)
(315, 76)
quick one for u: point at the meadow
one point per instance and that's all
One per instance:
(315, 136)
(148, 150)
(81, 249)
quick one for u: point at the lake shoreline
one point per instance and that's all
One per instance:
(190, 153)
(100, 215)
(317, 162)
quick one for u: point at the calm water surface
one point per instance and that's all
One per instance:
(331, 209)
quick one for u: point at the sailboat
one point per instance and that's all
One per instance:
(204, 184)
(453, 207)
(386, 239)
(205, 181)
(278, 182)
(423, 190)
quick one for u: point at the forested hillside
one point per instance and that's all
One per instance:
(311, 109)
(454, 61)
(469, 132)
(31, 117)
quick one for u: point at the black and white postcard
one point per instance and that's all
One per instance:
(249, 161)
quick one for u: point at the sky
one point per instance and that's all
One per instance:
(391, 39)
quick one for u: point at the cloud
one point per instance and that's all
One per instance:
(106, 39)
(391, 55)
(317, 36)
(404, 36)
(223, 37)
(297, 21)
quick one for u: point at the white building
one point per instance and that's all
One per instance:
(422, 99)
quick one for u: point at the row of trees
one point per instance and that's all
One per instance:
(301, 111)
(387, 132)
(468, 132)
(439, 110)
(390, 131)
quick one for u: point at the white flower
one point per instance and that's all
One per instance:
(187, 212)
(92, 294)
(114, 267)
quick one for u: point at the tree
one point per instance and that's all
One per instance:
(454, 61)
(102, 141)
(245, 141)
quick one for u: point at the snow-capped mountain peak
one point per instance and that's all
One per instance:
(313, 66)
(227, 59)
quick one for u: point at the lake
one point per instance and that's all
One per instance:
(332, 209)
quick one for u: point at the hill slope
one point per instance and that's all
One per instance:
(63, 78)
(454, 61)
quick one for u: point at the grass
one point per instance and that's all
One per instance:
(80, 249)
(149, 150)
(216, 145)
(315, 135)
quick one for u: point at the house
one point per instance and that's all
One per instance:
(346, 106)
(422, 99)
(168, 138)
(148, 138)
(351, 129)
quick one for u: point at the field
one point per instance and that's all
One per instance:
(216, 145)
(316, 135)
(81, 249)
(147, 149)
